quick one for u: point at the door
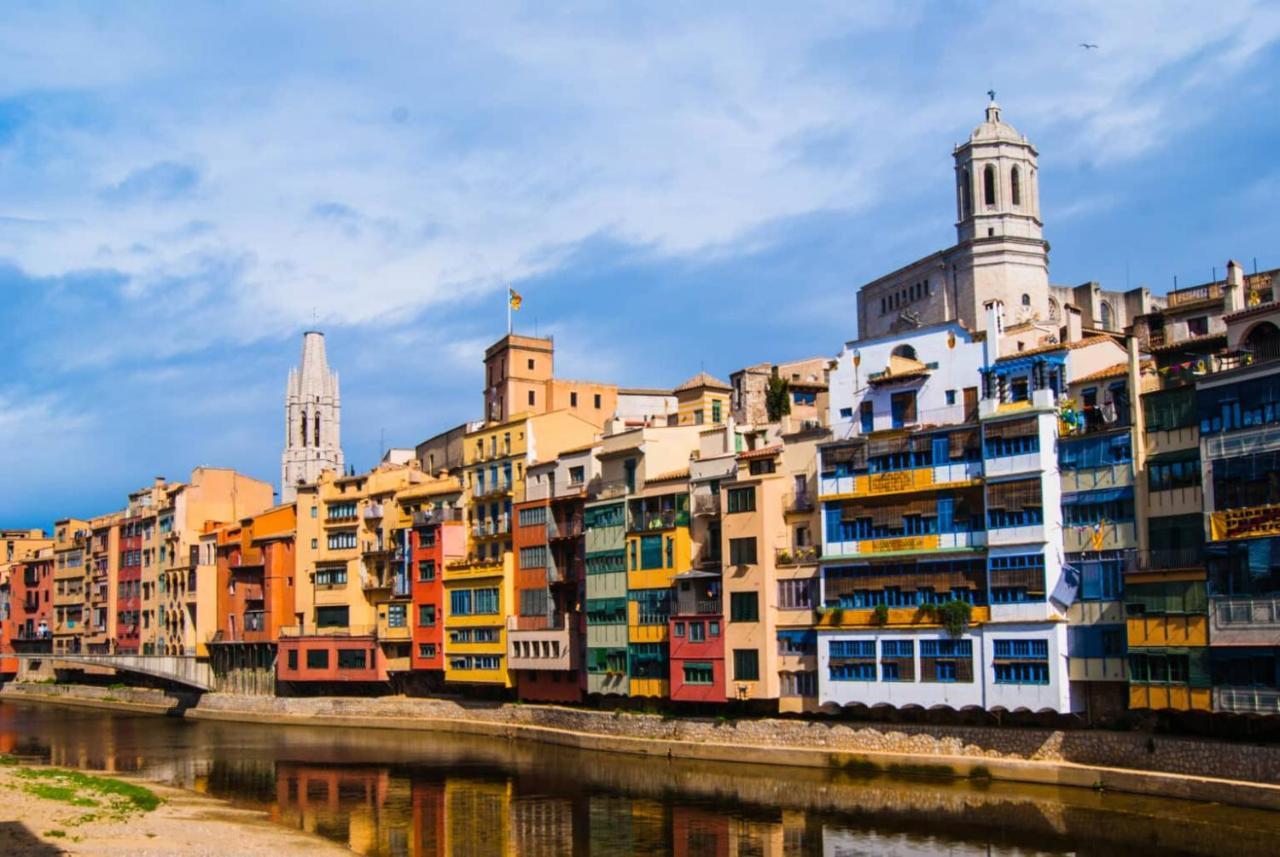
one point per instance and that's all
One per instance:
(970, 403)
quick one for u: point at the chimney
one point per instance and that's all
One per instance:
(1233, 299)
(1074, 328)
(995, 329)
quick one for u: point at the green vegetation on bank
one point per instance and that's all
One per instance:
(116, 797)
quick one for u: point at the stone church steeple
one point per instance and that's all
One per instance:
(312, 419)
(997, 183)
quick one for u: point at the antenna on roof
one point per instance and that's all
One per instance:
(1255, 265)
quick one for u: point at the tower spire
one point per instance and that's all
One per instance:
(313, 424)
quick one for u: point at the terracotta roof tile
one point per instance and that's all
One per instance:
(1119, 370)
(702, 379)
(670, 476)
(1058, 346)
(763, 452)
(1193, 340)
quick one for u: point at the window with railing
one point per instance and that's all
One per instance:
(1021, 661)
(1176, 470)
(1088, 508)
(648, 660)
(397, 615)
(342, 541)
(1014, 437)
(1245, 404)
(797, 594)
(533, 517)
(340, 511)
(1016, 578)
(653, 606)
(534, 602)
(533, 557)
(852, 660)
(946, 661)
(1101, 573)
(606, 611)
(1017, 503)
(797, 642)
(331, 576)
(798, 683)
(604, 516)
(897, 660)
(606, 563)
(1097, 451)
(699, 673)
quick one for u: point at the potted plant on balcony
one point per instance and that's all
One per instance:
(954, 616)
(784, 557)
(880, 615)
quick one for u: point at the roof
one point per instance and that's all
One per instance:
(763, 452)
(642, 391)
(1269, 306)
(1057, 346)
(670, 476)
(583, 448)
(899, 368)
(1202, 339)
(702, 379)
(1118, 370)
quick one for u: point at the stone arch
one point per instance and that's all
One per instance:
(1263, 341)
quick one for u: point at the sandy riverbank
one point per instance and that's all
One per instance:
(42, 815)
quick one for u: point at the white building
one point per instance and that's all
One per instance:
(312, 420)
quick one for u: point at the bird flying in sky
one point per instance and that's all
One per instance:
(1088, 46)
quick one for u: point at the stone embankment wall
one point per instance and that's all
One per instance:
(1133, 750)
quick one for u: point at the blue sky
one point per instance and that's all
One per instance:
(184, 187)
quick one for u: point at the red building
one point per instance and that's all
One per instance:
(545, 637)
(30, 624)
(129, 587)
(437, 536)
(696, 633)
(334, 657)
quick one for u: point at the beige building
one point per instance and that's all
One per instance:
(807, 382)
(520, 377)
(70, 549)
(103, 570)
(703, 400)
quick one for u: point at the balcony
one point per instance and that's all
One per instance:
(373, 512)
(706, 505)
(295, 631)
(1247, 700)
(807, 555)
(1237, 621)
(954, 541)
(255, 620)
(614, 488)
(1169, 559)
(695, 602)
(798, 503)
(640, 522)
(552, 648)
(1194, 295)
(497, 489)
(564, 529)
(1102, 536)
(487, 528)
(433, 517)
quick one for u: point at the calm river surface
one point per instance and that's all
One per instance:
(416, 793)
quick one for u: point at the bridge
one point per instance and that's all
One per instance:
(185, 670)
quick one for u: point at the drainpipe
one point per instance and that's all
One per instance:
(1138, 435)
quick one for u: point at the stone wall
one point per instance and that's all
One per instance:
(1131, 750)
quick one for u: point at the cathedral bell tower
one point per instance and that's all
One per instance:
(312, 419)
(997, 183)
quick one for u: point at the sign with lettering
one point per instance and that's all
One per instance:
(1245, 523)
(894, 480)
(906, 543)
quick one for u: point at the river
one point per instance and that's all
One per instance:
(389, 794)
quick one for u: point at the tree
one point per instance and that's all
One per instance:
(777, 398)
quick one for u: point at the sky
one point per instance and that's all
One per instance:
(186, 188)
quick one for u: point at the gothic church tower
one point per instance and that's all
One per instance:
(312, 419)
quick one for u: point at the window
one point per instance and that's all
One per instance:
(946, 660)
(606, 611)
(1015, 188)
(698, 673)
(353, 659)
(293, 659)
(336, 576)
(852, 660)
(966, 194)
(1198, 326)
(1100, 574)
(744, 607)
(697, 632)
(597, 400)
(797, 643)
(534, 557)
(715, 410)
(331, 617)
(796, 594)
(426, 570)
(343, 540)
(577, 475)
(653, 606)
(486, 601)
(426, 650)
(803, 683)
(741, 499)
(532, 398)
(902, 408)
(989, 185)
(1179, 470)
(534, 517)
(746, 665)
(650, 552)
(1016, 579)
(867, 416)
(761, 466)
(397, 615)
(742, 551)
(317, 659)
(1017, 503)
(460, 602)
(897, 660)
(648, 661)
(1021, 661)
(315, 511)
(951, 397)
(573, 399)
(534, 602)
(426, 615)
(678, 629)
(713, 628)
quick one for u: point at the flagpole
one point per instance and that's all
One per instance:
(508, 311)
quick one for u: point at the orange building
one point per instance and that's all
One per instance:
(255, 598)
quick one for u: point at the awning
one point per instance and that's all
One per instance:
(695, 574)
(1105, 495)
(798, 637)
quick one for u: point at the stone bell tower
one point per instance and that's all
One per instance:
(312, 419)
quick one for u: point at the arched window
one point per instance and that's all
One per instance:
(906, 351)
(1053, 309)
(1015, 186)
(966, 194)
(1108, 316)
(315, 435)
(989, 185)
(1026, 299)
(304, 429)
(1263, 342)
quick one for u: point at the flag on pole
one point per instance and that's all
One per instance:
(515, 299)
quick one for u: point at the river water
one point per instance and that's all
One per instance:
(416, 793)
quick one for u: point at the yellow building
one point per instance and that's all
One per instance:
(103, 568)
(703, 400)
(480, 589)
(70, 549)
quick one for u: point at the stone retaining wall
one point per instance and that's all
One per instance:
(1132, 750)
